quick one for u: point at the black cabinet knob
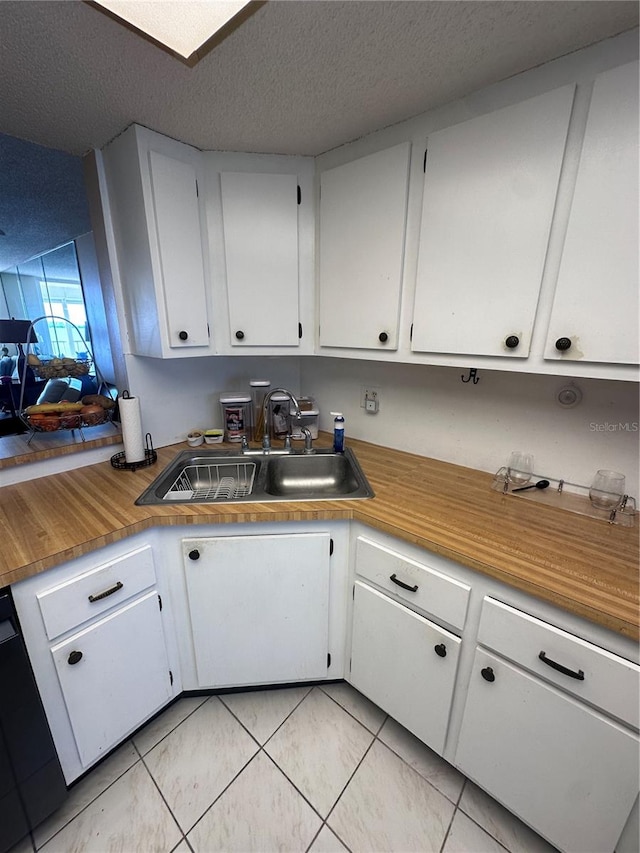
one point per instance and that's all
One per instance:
(194, 555)
(74, 657)
(563, 344)
(512, 342)
(440, 650)
(240, 335)
(183, 335)
(488, 674)
(383, 337)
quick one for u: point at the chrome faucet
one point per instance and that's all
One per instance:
(308, 440)
(266, 438)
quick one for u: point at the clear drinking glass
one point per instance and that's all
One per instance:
(520, 468)
(607, 489)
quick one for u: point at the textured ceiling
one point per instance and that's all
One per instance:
(299, 76)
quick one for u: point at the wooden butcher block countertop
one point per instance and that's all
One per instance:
(584, 565)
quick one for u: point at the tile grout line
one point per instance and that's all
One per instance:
(144, 764)
(86, 806)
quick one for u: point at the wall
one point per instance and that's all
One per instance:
(431, 412)
(178, 395)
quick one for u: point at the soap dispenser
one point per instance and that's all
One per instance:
(338, 432)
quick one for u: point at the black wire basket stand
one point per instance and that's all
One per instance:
(62, 369)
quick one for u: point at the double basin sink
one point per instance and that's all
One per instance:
(211, 476)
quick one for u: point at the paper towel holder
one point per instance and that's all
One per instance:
(119, 461)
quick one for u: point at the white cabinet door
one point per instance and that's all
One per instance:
(259, 607)
(403, 663)
(363, 214)
(114, 675)
(177, 219)
(158, 221)
(563, 768)
(489, 193)
(595, 307)
(260, 217)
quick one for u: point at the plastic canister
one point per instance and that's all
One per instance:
(259, 390)
(236, 415)
(279, 414)
(309, 413)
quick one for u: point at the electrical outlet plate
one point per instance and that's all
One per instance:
(370, 398)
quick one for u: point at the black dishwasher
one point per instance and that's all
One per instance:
(31, 782)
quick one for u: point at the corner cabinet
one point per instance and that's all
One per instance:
(159, 230)
(96, 641)
(595, 309)
(490, 187)
(363, 216)
(261, 215)
(258, 608)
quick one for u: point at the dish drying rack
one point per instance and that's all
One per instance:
(562, 494)
(213, 482)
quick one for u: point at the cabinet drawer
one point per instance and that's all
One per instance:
(568, 771)
(597, 676)
(429, 590)
(90, 594)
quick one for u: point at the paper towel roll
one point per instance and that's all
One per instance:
(131, 423)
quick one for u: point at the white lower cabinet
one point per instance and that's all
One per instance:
(404, 663)
(566, 768)
(97, 645)
(112, 674)
(258, 608)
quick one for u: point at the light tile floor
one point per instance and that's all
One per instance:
(317, 769)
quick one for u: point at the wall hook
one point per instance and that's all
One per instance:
(472, 377)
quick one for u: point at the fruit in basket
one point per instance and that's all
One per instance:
(93, 414)
(52, 408)
(98, 400)
(45, 422)
(33, 360)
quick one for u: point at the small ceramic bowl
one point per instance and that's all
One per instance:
(195, 438)
(213, 436)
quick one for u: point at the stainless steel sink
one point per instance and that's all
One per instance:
(330, 475)
(212, 476)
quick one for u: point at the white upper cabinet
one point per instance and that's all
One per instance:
(489, 193)
(159, 228)
(260, 221)
(363, 214)
(595, 309)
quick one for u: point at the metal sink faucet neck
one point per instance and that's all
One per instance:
(266, 438)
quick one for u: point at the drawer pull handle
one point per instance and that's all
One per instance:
(74, 657)
(402, 584)
(488, 674)
(563, 669)
(440, 650)
(118, 585)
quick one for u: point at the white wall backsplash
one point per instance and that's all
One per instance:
(178, 395)
(431, 412)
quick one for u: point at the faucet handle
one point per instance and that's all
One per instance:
(287, 442)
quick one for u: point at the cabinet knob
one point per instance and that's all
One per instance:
(383, 337)
(183, 335)
(194, 555)
(440, 650)
(563, 344)
(512, 342)
(74, 657)
(488, 674)
(240, 335)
